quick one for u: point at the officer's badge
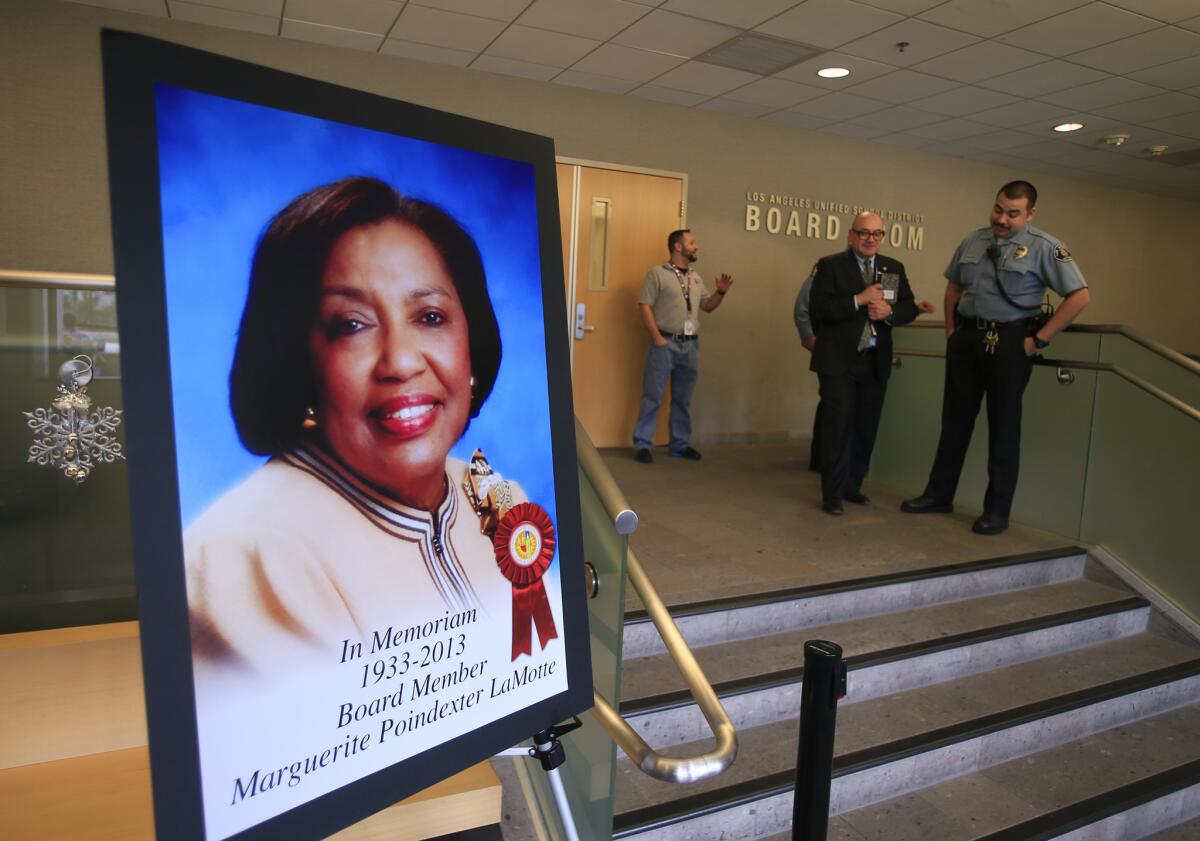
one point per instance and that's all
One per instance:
(1061, 254)
(1019, 252)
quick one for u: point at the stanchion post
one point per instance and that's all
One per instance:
(824, 686)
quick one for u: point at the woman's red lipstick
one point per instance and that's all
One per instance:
(407, 416)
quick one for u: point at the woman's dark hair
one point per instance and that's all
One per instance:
(272, 380)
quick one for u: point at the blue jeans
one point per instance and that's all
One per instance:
(679, 362)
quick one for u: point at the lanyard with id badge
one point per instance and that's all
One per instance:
(685, 286)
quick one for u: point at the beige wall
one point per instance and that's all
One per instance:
(754, 378)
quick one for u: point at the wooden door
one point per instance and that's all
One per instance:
(621, 220)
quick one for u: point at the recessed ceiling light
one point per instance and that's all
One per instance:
(833, 72)
(1068, 127)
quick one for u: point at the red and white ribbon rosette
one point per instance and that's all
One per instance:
(524, 543)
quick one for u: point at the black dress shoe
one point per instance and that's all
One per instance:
(857, 497)
(832, 506)
(688, 453)
(643, 455)
(990, 524)
(925, 504)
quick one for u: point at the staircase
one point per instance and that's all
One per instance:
(1021, 697)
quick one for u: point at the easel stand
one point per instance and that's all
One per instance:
(548, 750)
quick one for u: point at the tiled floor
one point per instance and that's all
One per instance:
(747, 518)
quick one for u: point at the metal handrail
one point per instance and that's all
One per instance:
(625, 519)
(57, 280)
(667, 768)
(1167, 353)
(1125, 374)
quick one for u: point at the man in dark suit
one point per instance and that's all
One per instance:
(858, 296)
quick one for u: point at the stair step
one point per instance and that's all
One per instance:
(723, 620)
(1124, 783)
(1186, 831)
(930, 733)
(760, 680)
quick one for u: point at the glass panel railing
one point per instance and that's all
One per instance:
(1102, 460)
(1142, 487)
(65, 546)
(589, 775)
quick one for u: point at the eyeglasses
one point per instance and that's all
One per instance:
(865, 234)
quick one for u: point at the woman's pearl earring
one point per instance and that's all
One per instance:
(310, 418)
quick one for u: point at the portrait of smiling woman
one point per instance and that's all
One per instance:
(367, 343)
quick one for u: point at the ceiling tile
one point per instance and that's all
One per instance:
(227, 18)
(375, 16)
(902, 86)
(1185, 124)
(1086, 157)
(427, 52)
(997, 140)
(1042, 149)
(904, 7)
(984, 60)
(674, 34)
(951, 130)
(1095, 129)
(505, 10)
(599, 19)
(1175, 75)
(605, 84)
(1112, 91)
(157, 8)
(708, 79)
(1169, 11)
(965, 100)
(860, 69)
(626, 63)
(1141, 51)
(1193, 91)
(1152, 107)
(954, 150)
(925, 40)
(553, 48)
(990, 17)
(853, 130)
(909, 141)
(445, 29)
(791, 118)
(839, 106)
(510, 67)
(897, 119)
(776, 93)
(1043, 78)
(332, 35)
(828, 23)
(745, 14)
(1009, 116)
(269, 8)
(735, 108)
(1191, 23)
(1079, 29)
(668, 96)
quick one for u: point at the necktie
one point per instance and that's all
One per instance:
(868, 278)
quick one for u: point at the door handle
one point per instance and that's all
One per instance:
(581, 325)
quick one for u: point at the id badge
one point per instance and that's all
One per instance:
(689, 328)
(891, 286)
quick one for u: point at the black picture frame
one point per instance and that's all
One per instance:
(133, 66)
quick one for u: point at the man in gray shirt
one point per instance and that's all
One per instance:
(673, 295)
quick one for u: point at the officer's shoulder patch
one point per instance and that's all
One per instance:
(1061, 254)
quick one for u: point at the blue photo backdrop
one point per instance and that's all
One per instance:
(226, 167)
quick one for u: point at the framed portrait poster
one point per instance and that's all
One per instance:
(350, 439)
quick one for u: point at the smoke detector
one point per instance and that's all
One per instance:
(1115, 139)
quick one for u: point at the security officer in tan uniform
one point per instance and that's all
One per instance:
(995, 284)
